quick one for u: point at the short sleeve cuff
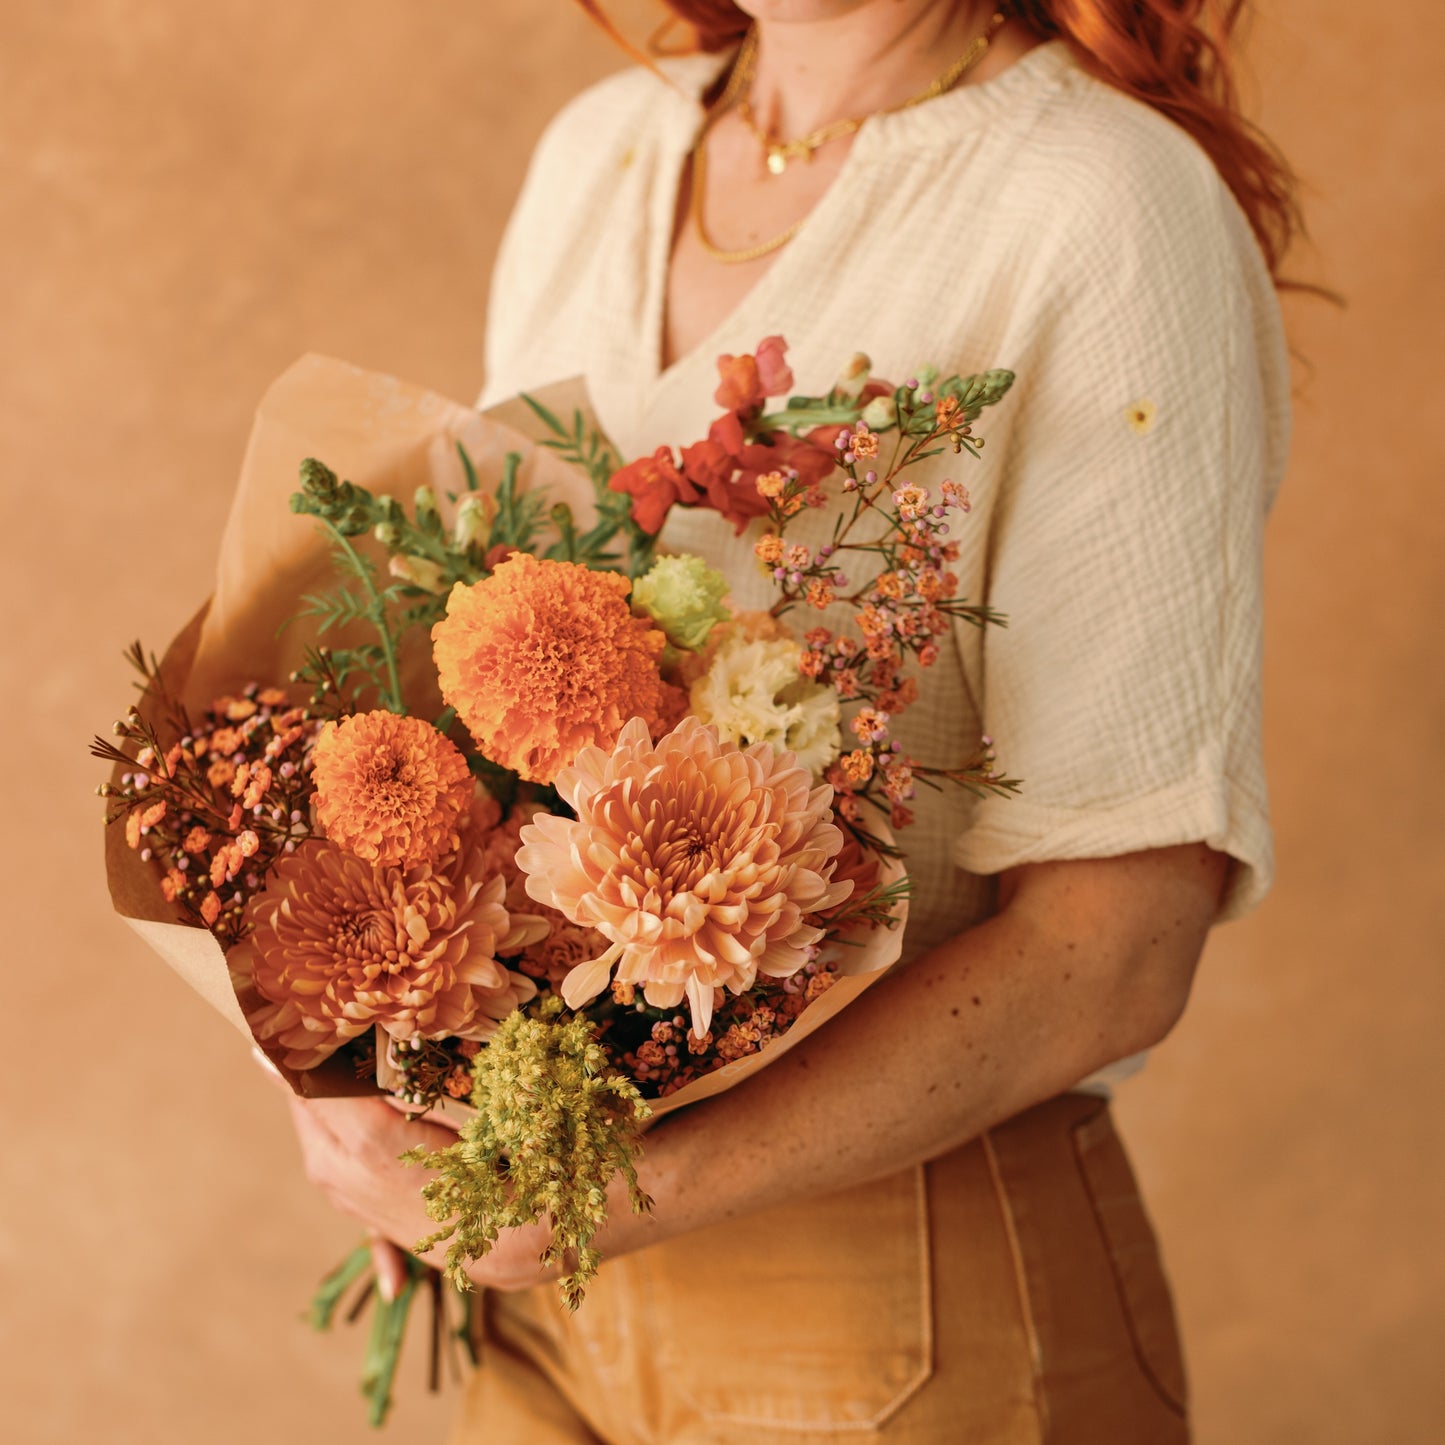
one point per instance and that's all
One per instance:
(1008, 832)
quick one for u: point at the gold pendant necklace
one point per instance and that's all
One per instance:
(777, 153)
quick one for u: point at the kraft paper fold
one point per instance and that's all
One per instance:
(384, 435)
(389, 437)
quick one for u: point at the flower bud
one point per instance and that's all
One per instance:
(926, 375)
(881, 412)
(472, 524)
(419, 572)
(854, 377)
(424, 502)
(387, 533)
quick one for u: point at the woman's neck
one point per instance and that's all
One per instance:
(813, 69)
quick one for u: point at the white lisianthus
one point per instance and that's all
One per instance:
(753, 693)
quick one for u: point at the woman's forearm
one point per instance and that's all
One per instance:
(1090, 961)
(1086, 961)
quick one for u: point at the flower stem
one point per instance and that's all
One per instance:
(362, 568)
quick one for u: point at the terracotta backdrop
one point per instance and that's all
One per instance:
(190, 196)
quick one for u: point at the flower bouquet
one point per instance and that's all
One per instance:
(487, 804)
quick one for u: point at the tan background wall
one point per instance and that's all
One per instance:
(190, 196)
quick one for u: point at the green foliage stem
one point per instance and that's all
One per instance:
(362, 570)
(586, 448)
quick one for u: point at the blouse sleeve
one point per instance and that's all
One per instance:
(1146, 439)
(567, 186)
(529, 248)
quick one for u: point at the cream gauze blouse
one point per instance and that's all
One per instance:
(1043, 222)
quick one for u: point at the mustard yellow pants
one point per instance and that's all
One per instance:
(1009, 1293)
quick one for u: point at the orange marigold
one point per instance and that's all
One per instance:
(542, 659)
(390, 789)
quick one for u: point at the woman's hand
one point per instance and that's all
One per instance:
(351, 1150)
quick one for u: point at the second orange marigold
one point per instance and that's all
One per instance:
(542, 659)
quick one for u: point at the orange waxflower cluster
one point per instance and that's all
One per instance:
(666, 1056)
(218, 806)
(863, 443)
(948, 423)
(769, 549)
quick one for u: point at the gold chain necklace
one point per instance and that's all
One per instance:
(778, 153)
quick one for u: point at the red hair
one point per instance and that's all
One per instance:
(1174, 55)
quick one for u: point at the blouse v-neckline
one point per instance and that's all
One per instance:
(693, 75)
(935, 122)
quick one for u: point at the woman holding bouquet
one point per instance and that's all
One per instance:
(919, 1224)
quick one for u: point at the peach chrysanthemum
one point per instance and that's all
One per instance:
(390, 789)
(542, 659)
(339, 945)
(696, 859)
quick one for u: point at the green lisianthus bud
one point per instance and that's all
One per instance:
(880, 413)
(683, 595)
(925, 376)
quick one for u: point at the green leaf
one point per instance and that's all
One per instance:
(547, 418)
(469, 468)
(986, 388)
(383, 1350)
(500, 782)
(425, 614)
(565, 548)
(330, 1290)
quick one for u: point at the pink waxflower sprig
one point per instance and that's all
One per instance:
(897, 529)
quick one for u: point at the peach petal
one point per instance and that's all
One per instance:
(587, 980)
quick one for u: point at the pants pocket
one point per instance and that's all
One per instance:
(813, 1317)
(1133, 1257)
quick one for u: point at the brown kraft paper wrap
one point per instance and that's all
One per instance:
(389, 437)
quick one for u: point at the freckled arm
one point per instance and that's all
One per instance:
(1087, 961)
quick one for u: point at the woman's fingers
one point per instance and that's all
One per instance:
(317, 1142)
(369, 1123)
(390, 1266)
